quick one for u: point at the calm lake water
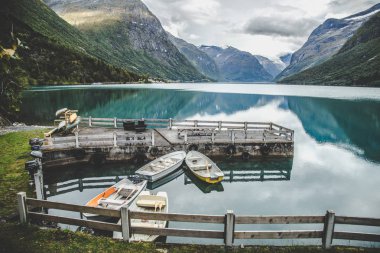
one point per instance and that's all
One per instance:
(336, 164)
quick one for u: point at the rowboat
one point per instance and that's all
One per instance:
(161, 166)
(203, 168)
(116, 196)
(147, 202)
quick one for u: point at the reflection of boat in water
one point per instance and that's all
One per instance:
(164, 180)
(189, 178)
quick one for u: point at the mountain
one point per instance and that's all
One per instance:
(131, 33)
(236, 66)
(273, 68)
(200, 60)
(286, 58)
(53, 51)
(325, 41)
(356, 64)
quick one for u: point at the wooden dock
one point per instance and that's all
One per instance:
(231, 232)
(100, 140)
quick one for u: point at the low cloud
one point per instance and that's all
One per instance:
(283, 27)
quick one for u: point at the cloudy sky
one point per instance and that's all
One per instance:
(266, 27)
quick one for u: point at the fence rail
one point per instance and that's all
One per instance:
(229, 220)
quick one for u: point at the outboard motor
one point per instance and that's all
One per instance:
(36, 154)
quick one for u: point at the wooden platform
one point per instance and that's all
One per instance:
(105, 140)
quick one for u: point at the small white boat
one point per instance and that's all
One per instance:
(120, 194)
(161, 166)
(203, 167)
(147, 202)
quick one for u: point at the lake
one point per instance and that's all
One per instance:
(336, 165)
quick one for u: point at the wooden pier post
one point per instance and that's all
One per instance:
(233, 137)
(185, 136)
(153, 141)
(114, 139)
(328, 229)
(125, 224)
(212, 137)
(90, 121)
(38, 181)
(76, 139)
(21, 205)
(115, 122)
(229, 228)
(170, 123)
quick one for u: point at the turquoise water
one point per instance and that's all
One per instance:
(336, 165)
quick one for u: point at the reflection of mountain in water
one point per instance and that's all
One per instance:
(134, 103)
(342, 122)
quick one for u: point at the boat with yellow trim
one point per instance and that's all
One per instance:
(203, 167)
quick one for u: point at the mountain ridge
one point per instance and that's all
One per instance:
(325, 41)
(356, 64)
(132, 32)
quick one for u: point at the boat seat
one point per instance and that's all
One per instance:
(194, 157)
(117, 202)
(150, 203)
(126, 192)
(145, 224)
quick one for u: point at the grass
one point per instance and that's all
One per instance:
(17, 238)
(28, 238)
(14, 178)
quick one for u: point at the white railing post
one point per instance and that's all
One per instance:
(328, 229)
(115, 122)
(185, 136)
(229, 228)
(153, 138)
(114, 139)
(195, 123)
(245, 126)
(219, 125)
(21, 205)
(76, 139)
(90, 121)
(170, 123)
(233, 137)
(213, 137)
(125, 224)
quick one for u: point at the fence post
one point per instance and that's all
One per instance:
(185, 136)
(21, 197)
(213, 137)
(229, 228)
(76, 140)
(115, 122)
(170, 123)
(219, 125)
(90, 121)
(125, 224)
(233, 137)
(153, 138)
(328, 229)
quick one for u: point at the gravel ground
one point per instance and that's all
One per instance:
(17, 127)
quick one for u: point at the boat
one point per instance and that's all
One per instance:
(147, 202)
(203, 168)
(161, 166)
(119, 195)
(60, 112)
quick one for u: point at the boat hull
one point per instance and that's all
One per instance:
(152, 177)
